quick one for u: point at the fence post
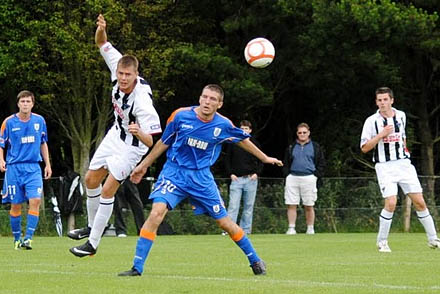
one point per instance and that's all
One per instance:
(407, 214)
(71, 222)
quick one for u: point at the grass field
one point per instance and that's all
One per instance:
(322, 263)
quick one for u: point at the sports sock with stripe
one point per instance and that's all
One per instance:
(428, 223)
(31, 224)
(103, 214)
(143, 246)
(15, 225)
(385, 220)
(93, 196)
(245, 244)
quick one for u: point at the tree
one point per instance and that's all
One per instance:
(383, 43)
(55, 49)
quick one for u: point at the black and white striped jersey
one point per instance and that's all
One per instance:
(389, 148)
(134, 107)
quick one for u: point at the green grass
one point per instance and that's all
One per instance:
(323, 263)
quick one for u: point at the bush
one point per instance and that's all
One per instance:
(344, 205)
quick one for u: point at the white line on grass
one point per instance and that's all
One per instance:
(265, 279)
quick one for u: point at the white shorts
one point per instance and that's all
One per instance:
(116, 156)
(397, 172)
(300, 187)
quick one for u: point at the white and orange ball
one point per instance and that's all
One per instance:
(259, 52)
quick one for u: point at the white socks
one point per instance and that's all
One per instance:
(385, 220)
(103, 215)
(93, 196)
(428, 223)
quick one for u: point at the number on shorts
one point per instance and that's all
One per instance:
(166, 186)
(11, 190)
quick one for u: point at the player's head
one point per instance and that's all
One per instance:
(26, 93)
(210, 100)
(25, 101)
(384, 98)
(385, 90)
(127, 72)
(303, 132)
(216, 88)
(246, 126)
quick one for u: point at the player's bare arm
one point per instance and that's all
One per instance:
(387, 130)
(45, 154)
(250, 147)
(141, 169)
(135, 130)
(101, 34)
(2, 161)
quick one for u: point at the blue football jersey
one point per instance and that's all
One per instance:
(23, 139)
(194, 143)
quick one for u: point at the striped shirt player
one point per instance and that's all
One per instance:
(24, 136)
(135, 107)
(389, 148)
(136, 120)
(384, 132)
(193, 139)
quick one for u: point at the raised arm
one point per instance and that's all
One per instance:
(100, 34)
(250, 147)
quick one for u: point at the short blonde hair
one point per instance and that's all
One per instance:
(303, 125)
(26, 93)
(129, 60)
(215, 88)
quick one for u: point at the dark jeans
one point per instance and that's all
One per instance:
(128, 194)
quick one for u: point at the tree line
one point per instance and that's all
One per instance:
(330, 57)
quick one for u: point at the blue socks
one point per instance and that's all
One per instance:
(143, 246)
(15, 226)
(32, 222)
(245, 244)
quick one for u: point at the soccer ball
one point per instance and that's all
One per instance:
(259, 52)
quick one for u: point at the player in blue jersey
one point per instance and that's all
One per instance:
(193, 139)
(24, 137)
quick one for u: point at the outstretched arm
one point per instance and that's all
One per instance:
(100, 34)
(250, 147)
(141, 169)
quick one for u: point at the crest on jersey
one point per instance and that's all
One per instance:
(36, 127)
(216, 208)
(217, 132)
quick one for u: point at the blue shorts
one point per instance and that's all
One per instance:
(23, 181)
(175, 184)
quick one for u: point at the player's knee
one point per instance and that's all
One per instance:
(93, 179)
(157, 215)
(89, 180)
(391, 207)
(226, 224)
(34, 204)
(419, 202)
(15, 210)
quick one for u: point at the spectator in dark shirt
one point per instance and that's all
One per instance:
(243, 168)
